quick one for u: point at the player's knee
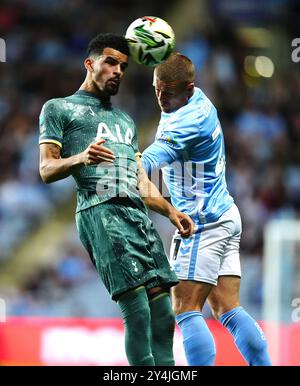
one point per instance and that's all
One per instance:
(135, 308)
(180, 306)
(137, 322)
(216, 310)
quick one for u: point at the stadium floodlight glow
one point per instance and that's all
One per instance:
(249, 66)
(264, 66)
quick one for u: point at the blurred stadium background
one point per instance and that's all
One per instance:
(57, 310)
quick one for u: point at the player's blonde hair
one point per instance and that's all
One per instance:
(177, 69)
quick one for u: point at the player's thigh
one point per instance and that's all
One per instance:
(230, 261)
(225, 296)
(190, 295)
(118, 244)
(199, 257)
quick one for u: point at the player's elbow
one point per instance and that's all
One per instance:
(46, 179)
(45, 176)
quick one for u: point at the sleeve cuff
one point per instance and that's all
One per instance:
(50, 141)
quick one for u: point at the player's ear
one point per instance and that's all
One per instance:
(190, 88)
(89, 64)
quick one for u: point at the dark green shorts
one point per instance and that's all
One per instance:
(125, 248)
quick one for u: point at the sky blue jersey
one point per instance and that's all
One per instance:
(189, 149)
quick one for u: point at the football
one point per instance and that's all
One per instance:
(151, 40)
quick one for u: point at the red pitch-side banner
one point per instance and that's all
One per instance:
(100, 342)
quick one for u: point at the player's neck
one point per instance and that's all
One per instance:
(90, 87)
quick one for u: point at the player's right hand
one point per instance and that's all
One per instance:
(96, 153)
(183, 222)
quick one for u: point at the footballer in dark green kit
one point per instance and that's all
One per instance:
(83, 135)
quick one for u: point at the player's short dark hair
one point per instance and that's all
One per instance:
(103, 40)
(177, 68)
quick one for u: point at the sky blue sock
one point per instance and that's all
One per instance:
(198, 341)
(248, 336)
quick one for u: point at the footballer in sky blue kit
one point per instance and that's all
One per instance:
(193, 136)
(189, 149)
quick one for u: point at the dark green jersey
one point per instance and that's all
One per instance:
(76, 121)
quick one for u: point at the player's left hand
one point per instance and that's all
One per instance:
(183, 223)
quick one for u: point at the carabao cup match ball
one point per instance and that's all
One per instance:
(151, 40)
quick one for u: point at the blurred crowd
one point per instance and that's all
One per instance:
(45, 49)
(67, 286)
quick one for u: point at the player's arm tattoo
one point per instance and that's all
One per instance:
(53, 151)
(52, 166)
